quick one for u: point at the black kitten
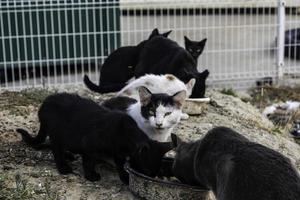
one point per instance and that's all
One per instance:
(161, 55)
(83, 127)
(235, 168)
(119, 66)
(195, 48)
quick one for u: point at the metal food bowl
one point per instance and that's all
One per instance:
(156, 189)
(195, 106)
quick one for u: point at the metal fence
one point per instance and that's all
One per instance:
(51, 42)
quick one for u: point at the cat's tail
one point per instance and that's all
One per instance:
(102, 88)
(89, 84)
(35, 142)
(205, 74)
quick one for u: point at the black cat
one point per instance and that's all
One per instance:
(119, 67)
(81, 126)
(161, 55)
(235, 168)
(195, 48)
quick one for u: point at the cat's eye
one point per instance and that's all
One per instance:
(198, 50)
(151, 112)
(168, 113)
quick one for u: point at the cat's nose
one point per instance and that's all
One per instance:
(159, 125)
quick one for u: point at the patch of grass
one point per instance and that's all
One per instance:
(262, 97)
(268, 95)
(277, 130)
(20, 192)
(24, 191)
(50, 194)
(229, 92)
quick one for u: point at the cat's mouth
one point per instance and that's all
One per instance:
(159, 128)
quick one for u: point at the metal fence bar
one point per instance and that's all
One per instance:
(4, 53)
(280, 40)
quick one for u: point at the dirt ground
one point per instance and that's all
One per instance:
(29, 174)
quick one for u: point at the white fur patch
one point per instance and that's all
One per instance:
(156, 84)
(150, 127)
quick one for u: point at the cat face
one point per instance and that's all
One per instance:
(161, 110)
(195, 48)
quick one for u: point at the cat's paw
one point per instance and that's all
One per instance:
(93, 176)
(184, 116)
(66, 169)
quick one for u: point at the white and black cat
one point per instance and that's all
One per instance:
(161, 55)
(167, 84)
(119, 66)
(195, 48)
(81, 126)
(235, 168)
(155, 113)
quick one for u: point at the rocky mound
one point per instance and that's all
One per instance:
(29, 174)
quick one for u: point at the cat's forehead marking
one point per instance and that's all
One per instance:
(160, 108)
(147, 83)
(163, 108)
(170, 77)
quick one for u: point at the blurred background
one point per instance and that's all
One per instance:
(51, 42)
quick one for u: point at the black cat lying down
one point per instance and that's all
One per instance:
(119, 66)
(235, 168)
(161, 55)
(81, 126)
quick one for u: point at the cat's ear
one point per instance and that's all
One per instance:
(175, 140)
(201, 45)
(166, 34)
(204, 74)
(186, 39)
(155, 32)
(202, 42)
(187, 42)
(179, 98)
(190, 85)
(143, 149)
(145, 95)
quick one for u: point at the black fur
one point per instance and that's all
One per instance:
(83, 127)
(118, 103)
(119, 67)
(195, 48)
(161, 55)
(235, 168)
